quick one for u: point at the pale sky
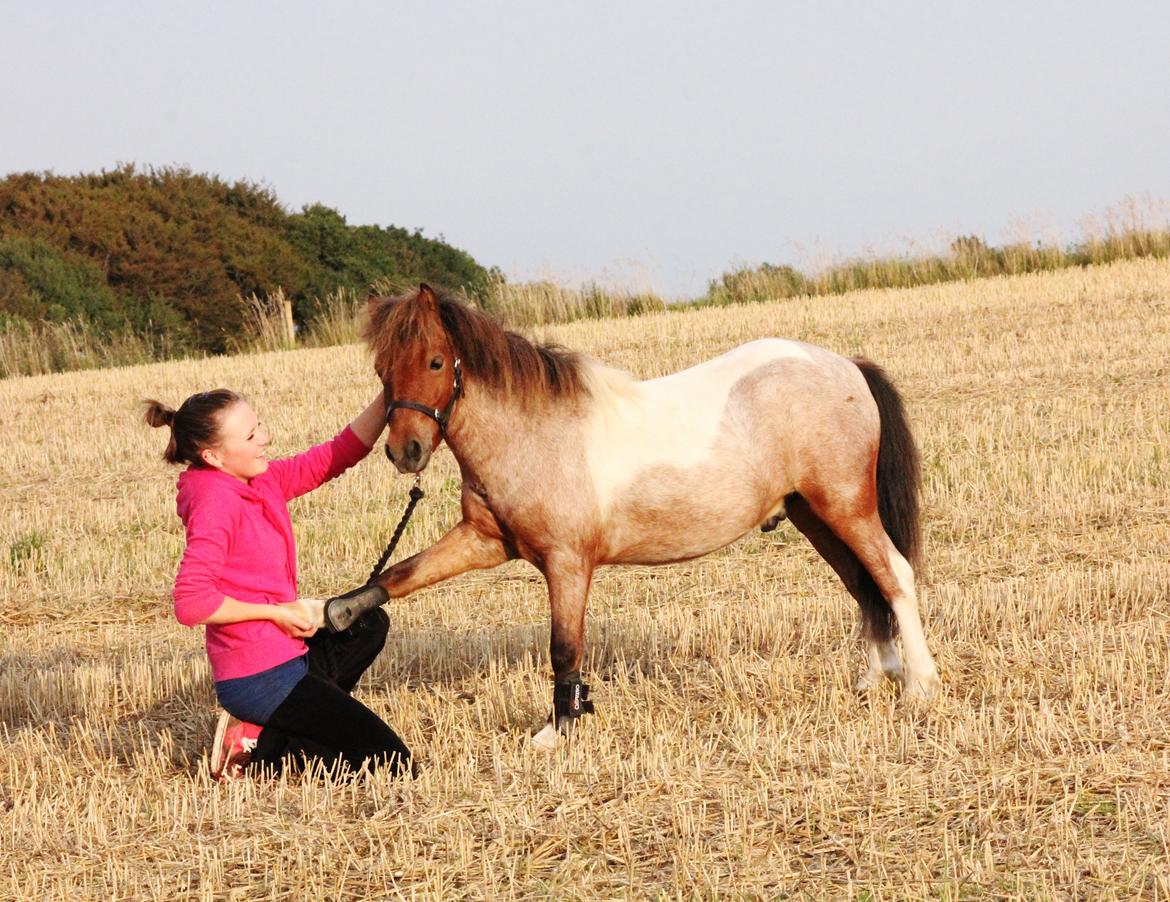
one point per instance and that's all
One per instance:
(647, 145)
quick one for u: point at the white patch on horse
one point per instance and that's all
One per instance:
(671, 421)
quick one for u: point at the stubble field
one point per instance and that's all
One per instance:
(729, 756)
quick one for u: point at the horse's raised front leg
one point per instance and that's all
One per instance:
(568, 590)
(463, 548)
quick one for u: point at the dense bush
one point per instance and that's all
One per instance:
(168, 252)
(39, 282)
(352, 257)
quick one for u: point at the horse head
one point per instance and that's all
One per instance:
(420, 372)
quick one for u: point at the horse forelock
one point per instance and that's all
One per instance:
(500, 360)
(395, 323)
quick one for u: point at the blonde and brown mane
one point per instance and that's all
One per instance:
(498, 359)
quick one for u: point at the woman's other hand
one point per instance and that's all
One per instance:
(314, 609)
(294, 619)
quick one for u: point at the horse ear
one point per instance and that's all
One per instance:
(427, 298)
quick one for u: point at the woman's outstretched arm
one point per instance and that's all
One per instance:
(304, 472)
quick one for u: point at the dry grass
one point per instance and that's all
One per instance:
(270, 323)
(48, 347)
(728, 757)
(539, 303)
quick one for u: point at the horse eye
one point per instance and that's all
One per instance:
(437, 363)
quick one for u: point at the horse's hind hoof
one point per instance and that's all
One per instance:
(922, 690)
(868, 681)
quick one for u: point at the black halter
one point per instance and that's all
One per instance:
(442, 417)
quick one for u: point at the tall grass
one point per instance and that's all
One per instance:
(1125, 235)
(33, 349)
(271, 324)
(30, 349)
(543, 303)
(337, 320)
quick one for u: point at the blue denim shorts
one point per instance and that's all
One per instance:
(253, 698)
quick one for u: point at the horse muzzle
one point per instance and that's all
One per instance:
(412, 457)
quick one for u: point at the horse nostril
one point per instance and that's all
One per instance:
(413, 450)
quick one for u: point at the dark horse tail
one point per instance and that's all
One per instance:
(898, 483)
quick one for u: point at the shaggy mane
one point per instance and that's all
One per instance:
(499, 359)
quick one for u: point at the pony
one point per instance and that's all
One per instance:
(571, 465)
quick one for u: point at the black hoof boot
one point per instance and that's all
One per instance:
(343, 610)
(570, 701)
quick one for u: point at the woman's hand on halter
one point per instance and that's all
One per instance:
(296, 618)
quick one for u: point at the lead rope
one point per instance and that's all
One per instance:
(416, 494)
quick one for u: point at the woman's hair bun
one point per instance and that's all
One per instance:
(158, 414)
(194, 426)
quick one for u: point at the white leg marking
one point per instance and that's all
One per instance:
(921, 681)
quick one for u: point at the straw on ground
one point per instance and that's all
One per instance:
(729, 756)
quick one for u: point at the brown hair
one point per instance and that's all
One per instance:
(194, 426)
(503, 360)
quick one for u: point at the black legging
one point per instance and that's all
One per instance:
(321, 721)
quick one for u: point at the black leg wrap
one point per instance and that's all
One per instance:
(342, 610)
(571, 700)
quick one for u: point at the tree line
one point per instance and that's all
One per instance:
(171, 255)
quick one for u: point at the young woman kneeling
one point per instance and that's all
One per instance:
(284, 687)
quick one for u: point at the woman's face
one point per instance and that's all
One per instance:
(242, 443)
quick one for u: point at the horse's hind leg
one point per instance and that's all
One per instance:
(877, 616)
(866, 537)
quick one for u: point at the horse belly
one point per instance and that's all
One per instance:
(664, 527)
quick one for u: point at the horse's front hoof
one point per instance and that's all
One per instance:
(868, 681)
(546, 739)
(342, 610)
(339, 614)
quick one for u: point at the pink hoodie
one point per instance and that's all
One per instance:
(240, 544)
